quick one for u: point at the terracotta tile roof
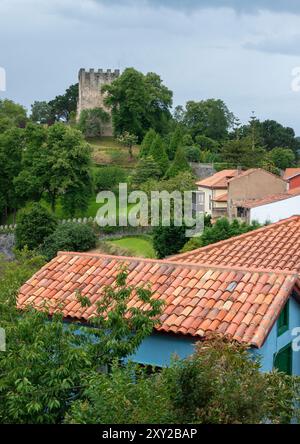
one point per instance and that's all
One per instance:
(198, 299)
(251, 203)
(275, 247)
(218, 180)
(222, 198)
(291, 172)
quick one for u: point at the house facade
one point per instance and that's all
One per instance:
(271, 208)
(246, 288)
(226, 189)
(292, 176)
(249, 185)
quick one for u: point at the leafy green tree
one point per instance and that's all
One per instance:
(168, 240)
(64, 105)
(34, 224)
(222, 384)
(11, 146)
(159, 155)
(91, 121)
(147, 142)
(210, 118)
(192, 153)
(179, 164)
(68, 237)
(47, 366)
(283, 157)
(11, 115)
(118, 398)
(242, 153)
(56, 163)
(187, 140)
(128, 140)
(206, 143)
(138, 102)
(41, 112)
(109, 177)
(175, 142)
(221, 230)
(146, 169)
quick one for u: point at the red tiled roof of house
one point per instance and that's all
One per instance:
(218, 180)
(275, 246)
(252, 203)
(291, 172)
(222, 198)
(243, 304)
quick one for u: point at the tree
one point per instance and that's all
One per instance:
(64, 105)
(282, 157)
(109, 177)
(34, 224)
(210, 118)
(138, 102)
(159, 155)
(168, 240)
(11, 115)
(146, 169)
(207, 144)
(91, 121)
(242, 153)
(128, 140)
(48, 365)
(56, 163)
(192, 153)
(147, 142)
(175, 142)
(11, 147)
(221, 230)
(68, 237)
(41, 112)
(222, 384)
(179, 163)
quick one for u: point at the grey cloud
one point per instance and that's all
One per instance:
(277, 45)
(241, 6)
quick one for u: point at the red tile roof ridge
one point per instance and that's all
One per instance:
(176, 257)
(189, 265)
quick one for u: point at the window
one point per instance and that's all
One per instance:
(283, 320)
(283, 360)
(241, 212)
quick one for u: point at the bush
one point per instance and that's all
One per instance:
(69, 237)
(109, 177)
(192, 153)
(168, 240)
(34, 224)
(91, 121)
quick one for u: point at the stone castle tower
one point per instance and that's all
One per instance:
(90, 95)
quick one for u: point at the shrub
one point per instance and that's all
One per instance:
(109, 177)
(168, 240)
(192, 153)
(69, 237)
(34, 224)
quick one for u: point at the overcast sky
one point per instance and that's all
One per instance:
(242, 51)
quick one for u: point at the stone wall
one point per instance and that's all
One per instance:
(90, 95)
(7, 243)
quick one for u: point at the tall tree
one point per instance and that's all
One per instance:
(64, 105)
(56, 163)
(179, 164)
(242, 153)
(159, 155)
(11, 115)
(138, 102)
(210, 118)
(147, 142)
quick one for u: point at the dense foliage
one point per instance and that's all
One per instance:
(69, 237)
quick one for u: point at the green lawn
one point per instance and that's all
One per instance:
(137, 245)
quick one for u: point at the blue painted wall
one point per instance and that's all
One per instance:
(159, 348)
(275, 343)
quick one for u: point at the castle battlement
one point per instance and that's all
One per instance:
(91, 82)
